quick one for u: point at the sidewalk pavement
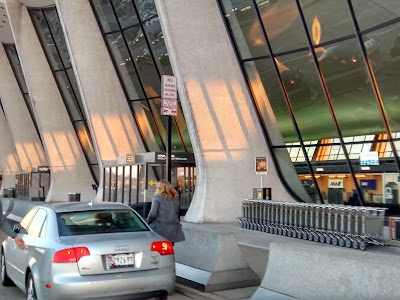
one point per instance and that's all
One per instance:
(234, 294)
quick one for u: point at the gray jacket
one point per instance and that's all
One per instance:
(4, 225)
(163, 218)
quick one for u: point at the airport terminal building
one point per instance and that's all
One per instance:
(309, 87)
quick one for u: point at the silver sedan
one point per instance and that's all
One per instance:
(88, 251)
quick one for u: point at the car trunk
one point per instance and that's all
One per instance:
(116, 252)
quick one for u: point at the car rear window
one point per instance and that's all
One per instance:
(98, 221)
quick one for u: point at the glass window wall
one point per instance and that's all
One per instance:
(325, 95)
(51, 35)
(134, 38)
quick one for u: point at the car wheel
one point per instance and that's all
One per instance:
(5, 280)
(30, 288)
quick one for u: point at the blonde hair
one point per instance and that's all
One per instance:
(164, 188)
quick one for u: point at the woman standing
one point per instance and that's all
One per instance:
(163, 217)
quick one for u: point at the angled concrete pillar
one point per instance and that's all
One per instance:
(112, 125)
(222, 122)
(69, 169)
(26, 138)
(9, 162)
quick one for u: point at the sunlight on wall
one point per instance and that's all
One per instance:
(63, 150)
(115, 135)
(223, 119)
(30, 154)
(12, 164)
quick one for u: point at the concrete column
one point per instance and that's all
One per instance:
(111, 120)
(222, 122)
(69, 169)
(9, 162)
(27, 142)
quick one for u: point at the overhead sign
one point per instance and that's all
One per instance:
(335, 183)
(43, 169)
(369, 158)
(261, 165)
(175, 157)
(168, 87)
(130, 158)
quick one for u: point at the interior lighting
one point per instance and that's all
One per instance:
(263, 3)
(246, 8)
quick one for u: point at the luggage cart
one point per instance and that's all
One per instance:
(350, 226)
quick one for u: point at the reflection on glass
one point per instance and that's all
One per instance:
(144, 63)
(270, 101)
(327, 20)
(246, 28)
(386, 69)
(68, 95)
(125, 66)
(147, 9)
(16, 65)
(306, 96)
(349, 86)
(13, 58)
(372, 13)
(157, 45)
(86, 142)
(106, 15)
(47, 41)
(147, 125)
(125, 13)
(284, 28)
(58, 36)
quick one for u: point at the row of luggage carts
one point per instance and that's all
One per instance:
(343, 225)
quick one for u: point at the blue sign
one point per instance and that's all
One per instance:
(368, 184)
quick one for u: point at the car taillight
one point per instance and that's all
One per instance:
(70, 255)
(163, 247)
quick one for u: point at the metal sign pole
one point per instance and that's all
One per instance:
(168, 154)
(169, 107)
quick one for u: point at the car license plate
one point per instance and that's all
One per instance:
(120, 260)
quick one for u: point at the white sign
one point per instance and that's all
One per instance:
(168, 87)
(369, 158)
(335, 183)
(166, 111)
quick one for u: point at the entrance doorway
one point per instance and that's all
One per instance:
(136, 183)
